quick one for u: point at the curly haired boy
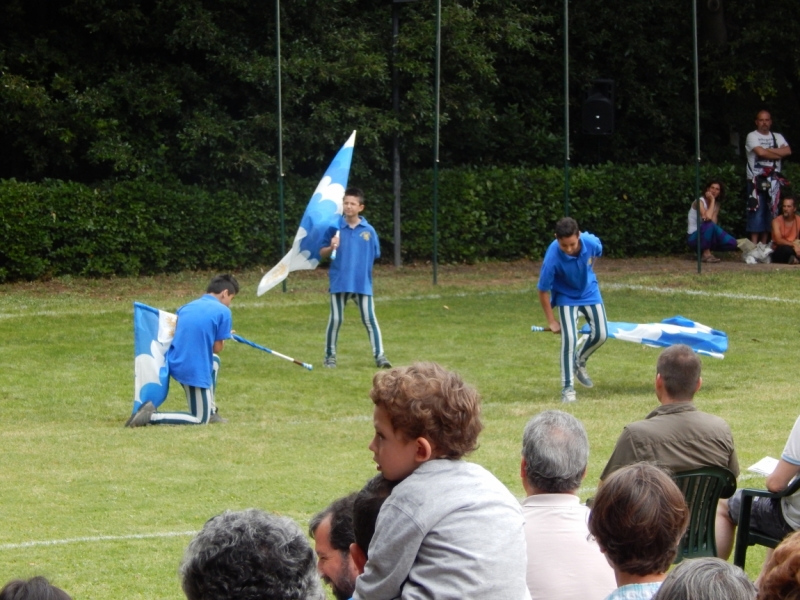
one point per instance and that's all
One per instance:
(449, 529)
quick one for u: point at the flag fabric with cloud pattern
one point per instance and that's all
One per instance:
(675, 330)
(153, 331)
(323, 211)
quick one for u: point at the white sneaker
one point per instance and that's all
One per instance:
(568, 395)
(582, 375)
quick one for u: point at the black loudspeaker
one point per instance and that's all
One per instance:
(598, 108)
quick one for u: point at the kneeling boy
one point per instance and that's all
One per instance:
(450, 529)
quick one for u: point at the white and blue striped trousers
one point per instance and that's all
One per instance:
(200, 401)
(366, 306)
(595, 315)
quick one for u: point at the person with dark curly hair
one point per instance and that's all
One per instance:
(36, 588)
(638, 518)
(250, 555)
(449, 529)
(780, 577)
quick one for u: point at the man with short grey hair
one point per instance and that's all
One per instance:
(250, 554)
(563, 560)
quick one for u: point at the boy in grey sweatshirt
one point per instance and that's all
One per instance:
(450, 529)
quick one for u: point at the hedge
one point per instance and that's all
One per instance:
(136, 227)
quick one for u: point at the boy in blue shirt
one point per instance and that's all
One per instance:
(201, 330)
(356, 245)
(567, 281)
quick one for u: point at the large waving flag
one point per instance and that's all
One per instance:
(153, 331)
(323, 210)
(675, 330)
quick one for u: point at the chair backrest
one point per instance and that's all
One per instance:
(702, 489)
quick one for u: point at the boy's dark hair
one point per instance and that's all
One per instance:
(566, 227)
(221, 283)
(341, 513)
(679, 368)
(425, 400)
(366, 508)
(357, 192)
(638, 517)
(36, 588)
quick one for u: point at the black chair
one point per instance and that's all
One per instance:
(747, 537)
(702, 489)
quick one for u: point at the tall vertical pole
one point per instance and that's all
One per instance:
(566, 108)
(696, 133)
(436, 138)
(398, 260)
(280, 129)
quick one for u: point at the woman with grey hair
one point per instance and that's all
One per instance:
(706, 579)
(250, 555)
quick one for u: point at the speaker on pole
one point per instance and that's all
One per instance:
(598, 108)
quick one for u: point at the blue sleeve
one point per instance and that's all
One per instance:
(547, 273)
(225, 326)
(377, 244)
(594, 243)
(328, 236)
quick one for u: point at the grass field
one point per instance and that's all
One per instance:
(106, 512)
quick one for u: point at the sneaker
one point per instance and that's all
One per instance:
(568, 395)
(216, 418)
(382, 362)
(330, 362)
(583, 376)
(142, 416)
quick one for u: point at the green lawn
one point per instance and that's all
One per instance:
(105, 512)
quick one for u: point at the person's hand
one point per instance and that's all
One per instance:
(334, 243)
(555, 326)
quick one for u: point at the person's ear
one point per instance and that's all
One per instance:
(523, 467)
(424, 450)
(699, 384)
(358, 557)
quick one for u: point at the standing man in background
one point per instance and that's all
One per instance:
(765, 151)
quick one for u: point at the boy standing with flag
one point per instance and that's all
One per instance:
(356, 247)
(567, 281)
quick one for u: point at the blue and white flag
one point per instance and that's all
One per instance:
(153, 331)
(675, 330)
(323, 210)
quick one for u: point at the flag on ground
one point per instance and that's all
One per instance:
(675, 330)
(323, 211)
(153, 331)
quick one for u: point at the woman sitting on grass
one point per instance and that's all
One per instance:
(712, 236)
(638, 518)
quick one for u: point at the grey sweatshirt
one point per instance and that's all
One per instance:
(450, 530)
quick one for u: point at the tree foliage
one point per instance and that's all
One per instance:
(184, 90)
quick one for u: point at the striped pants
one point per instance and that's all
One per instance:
(200, 401)
(595, 315)
(367, 308)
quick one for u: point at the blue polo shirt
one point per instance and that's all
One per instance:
(358, 249)
(570, 279)
(200, 323)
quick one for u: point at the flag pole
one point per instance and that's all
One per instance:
(436, 138)
(696, 133)
(280, 129)
(566, 108)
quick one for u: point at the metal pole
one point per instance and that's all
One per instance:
(280, 130)
(436, 138)
(696, 132)
(398, 260)
(566, 108)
